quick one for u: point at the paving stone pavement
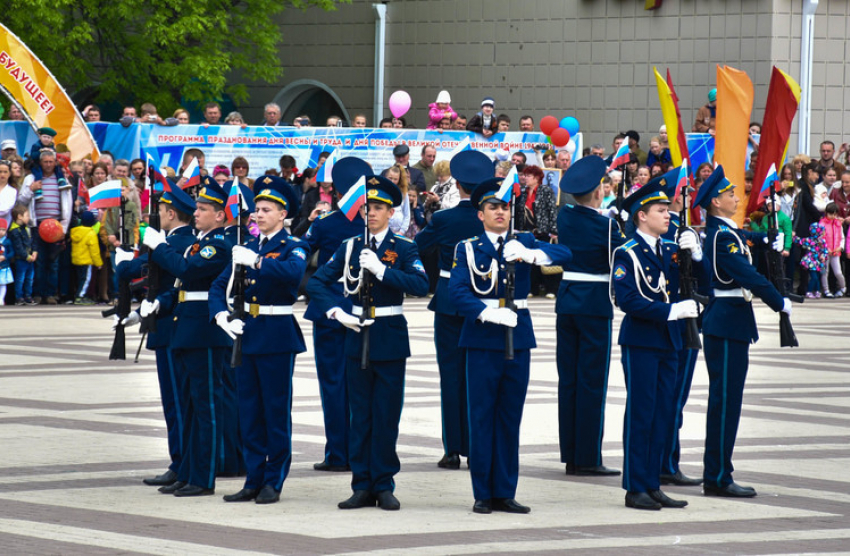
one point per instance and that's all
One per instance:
(78, 433)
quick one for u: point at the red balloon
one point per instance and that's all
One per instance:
(50, 230)
(548, 124)
(560, 137)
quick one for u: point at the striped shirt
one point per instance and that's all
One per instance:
(49, 206)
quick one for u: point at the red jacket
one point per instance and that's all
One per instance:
(834, 234)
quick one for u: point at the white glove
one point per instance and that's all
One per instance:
(779, 243)
(369, 260)
(132, 319)
(786, 307)
(612, 213)
(149, 308)
(516, 251)
(688, 241)
(244, 256)
(683, 310)
(348, 321)
(230, 327)
(123, 256)
(502, 316)
(153, 238)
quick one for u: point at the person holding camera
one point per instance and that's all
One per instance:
(317, 201)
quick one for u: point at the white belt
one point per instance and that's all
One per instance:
(445, 274)
(496, 303)
(255, 309)
(737, 292)
(585, 277)
(192, 296)
(379, 311)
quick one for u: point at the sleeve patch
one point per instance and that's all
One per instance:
(300, 253)
(417, 265)
(733, 248)
(620, 272)
(208, 252)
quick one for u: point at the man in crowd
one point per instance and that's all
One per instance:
(633, 137)
(402, 158)
(827, 159)
(271, 115)
(426, 166)
(706, 115)
(526, 123)
(8, 148)
(460, 123)
(212, 113)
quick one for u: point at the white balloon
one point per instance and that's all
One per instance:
(571, 147)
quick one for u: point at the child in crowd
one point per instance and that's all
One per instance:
(834, 236)
(21, 239)
(6, 254)
(85, 254)
(440, 109)
(815, 258)
(45, 141)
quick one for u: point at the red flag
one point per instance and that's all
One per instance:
(83, 192)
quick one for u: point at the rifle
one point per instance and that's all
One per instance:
(687, 281)
(510, 283)
(364, 301)
(148, 323)
(238, 294)
(119, 350)
(621, 195)
(776, 275)
(135, 286)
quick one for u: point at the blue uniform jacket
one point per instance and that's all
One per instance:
(204, 261)
(404, 274)
(275, 283)
(326, 234)
(732, 317)
(447, 228)
(180, 239)
(586, 233)
(645, 324)
(485, 335)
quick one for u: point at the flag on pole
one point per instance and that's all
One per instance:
(106, 195)
(353, 199)
(682, 180)
(734, 105)
(83, 192)
(621, 156)
(235, 201)
(504, 192)
(323, 174)
(156, 179)
(192, 173)
(770, 180)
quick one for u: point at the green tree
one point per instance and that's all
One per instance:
(156, 50)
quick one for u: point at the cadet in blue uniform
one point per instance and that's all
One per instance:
(584, 315)
(729, 327)
(446, 229)
(392, 268)
(198, 346)
(496, 385)
(275, 263)
(646, 283)
(670, 472)
(175, 213)
(325, 235)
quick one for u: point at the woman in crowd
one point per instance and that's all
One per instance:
(240, 169)
(234, 118)
(8, 191)
(221, 175)
(316, 202)
(182, 116)
(538, 216)
(841, 197)
(657, 153)
(444, 194)
(400, 220)
(805, 214)
(798, 162)
(824, 188)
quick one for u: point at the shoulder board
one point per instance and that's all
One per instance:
(322, 217)
(407, 239)
(631, 244)
(470, 240)
(351, 238)
(668, 242)
(723, 228)
(218, 236)
(293, 238)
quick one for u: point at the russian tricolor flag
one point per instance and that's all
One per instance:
(106, 195)
(192, 173)
(682, 180)
(353, 199)
(621, 156)
(156, 179)
(323, 174)
(235, 201)
(511, 180)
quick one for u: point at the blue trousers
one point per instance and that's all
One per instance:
(584, 357)
(496, 397)
(265, 417)
(171, 404)
(24, 273)
(684, 377)
(650, 381)
(451, 360)
(229, 460)
(727, 361)
(376, 396)
(199, 373)
(330, 369)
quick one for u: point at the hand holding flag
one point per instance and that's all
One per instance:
(192, 174)
(353, 199)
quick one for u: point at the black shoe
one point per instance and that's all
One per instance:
(591, 470)
(450, 461)
(679, 479)
(268, 495)
(325, 466)
(732, 490)
(172, 488)
(244, 495)
(387, 501)
(641, 501)
(360, 499)
(165, 479)
(482, 507)
(193, 490)
(665, 500)
(509, 505)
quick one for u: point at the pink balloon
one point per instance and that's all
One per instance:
(399, 103)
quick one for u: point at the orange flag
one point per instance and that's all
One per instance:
(24, 78)
(734, 105)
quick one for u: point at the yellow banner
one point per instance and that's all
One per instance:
(668, 111)
(25, 79)
(734, 105)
